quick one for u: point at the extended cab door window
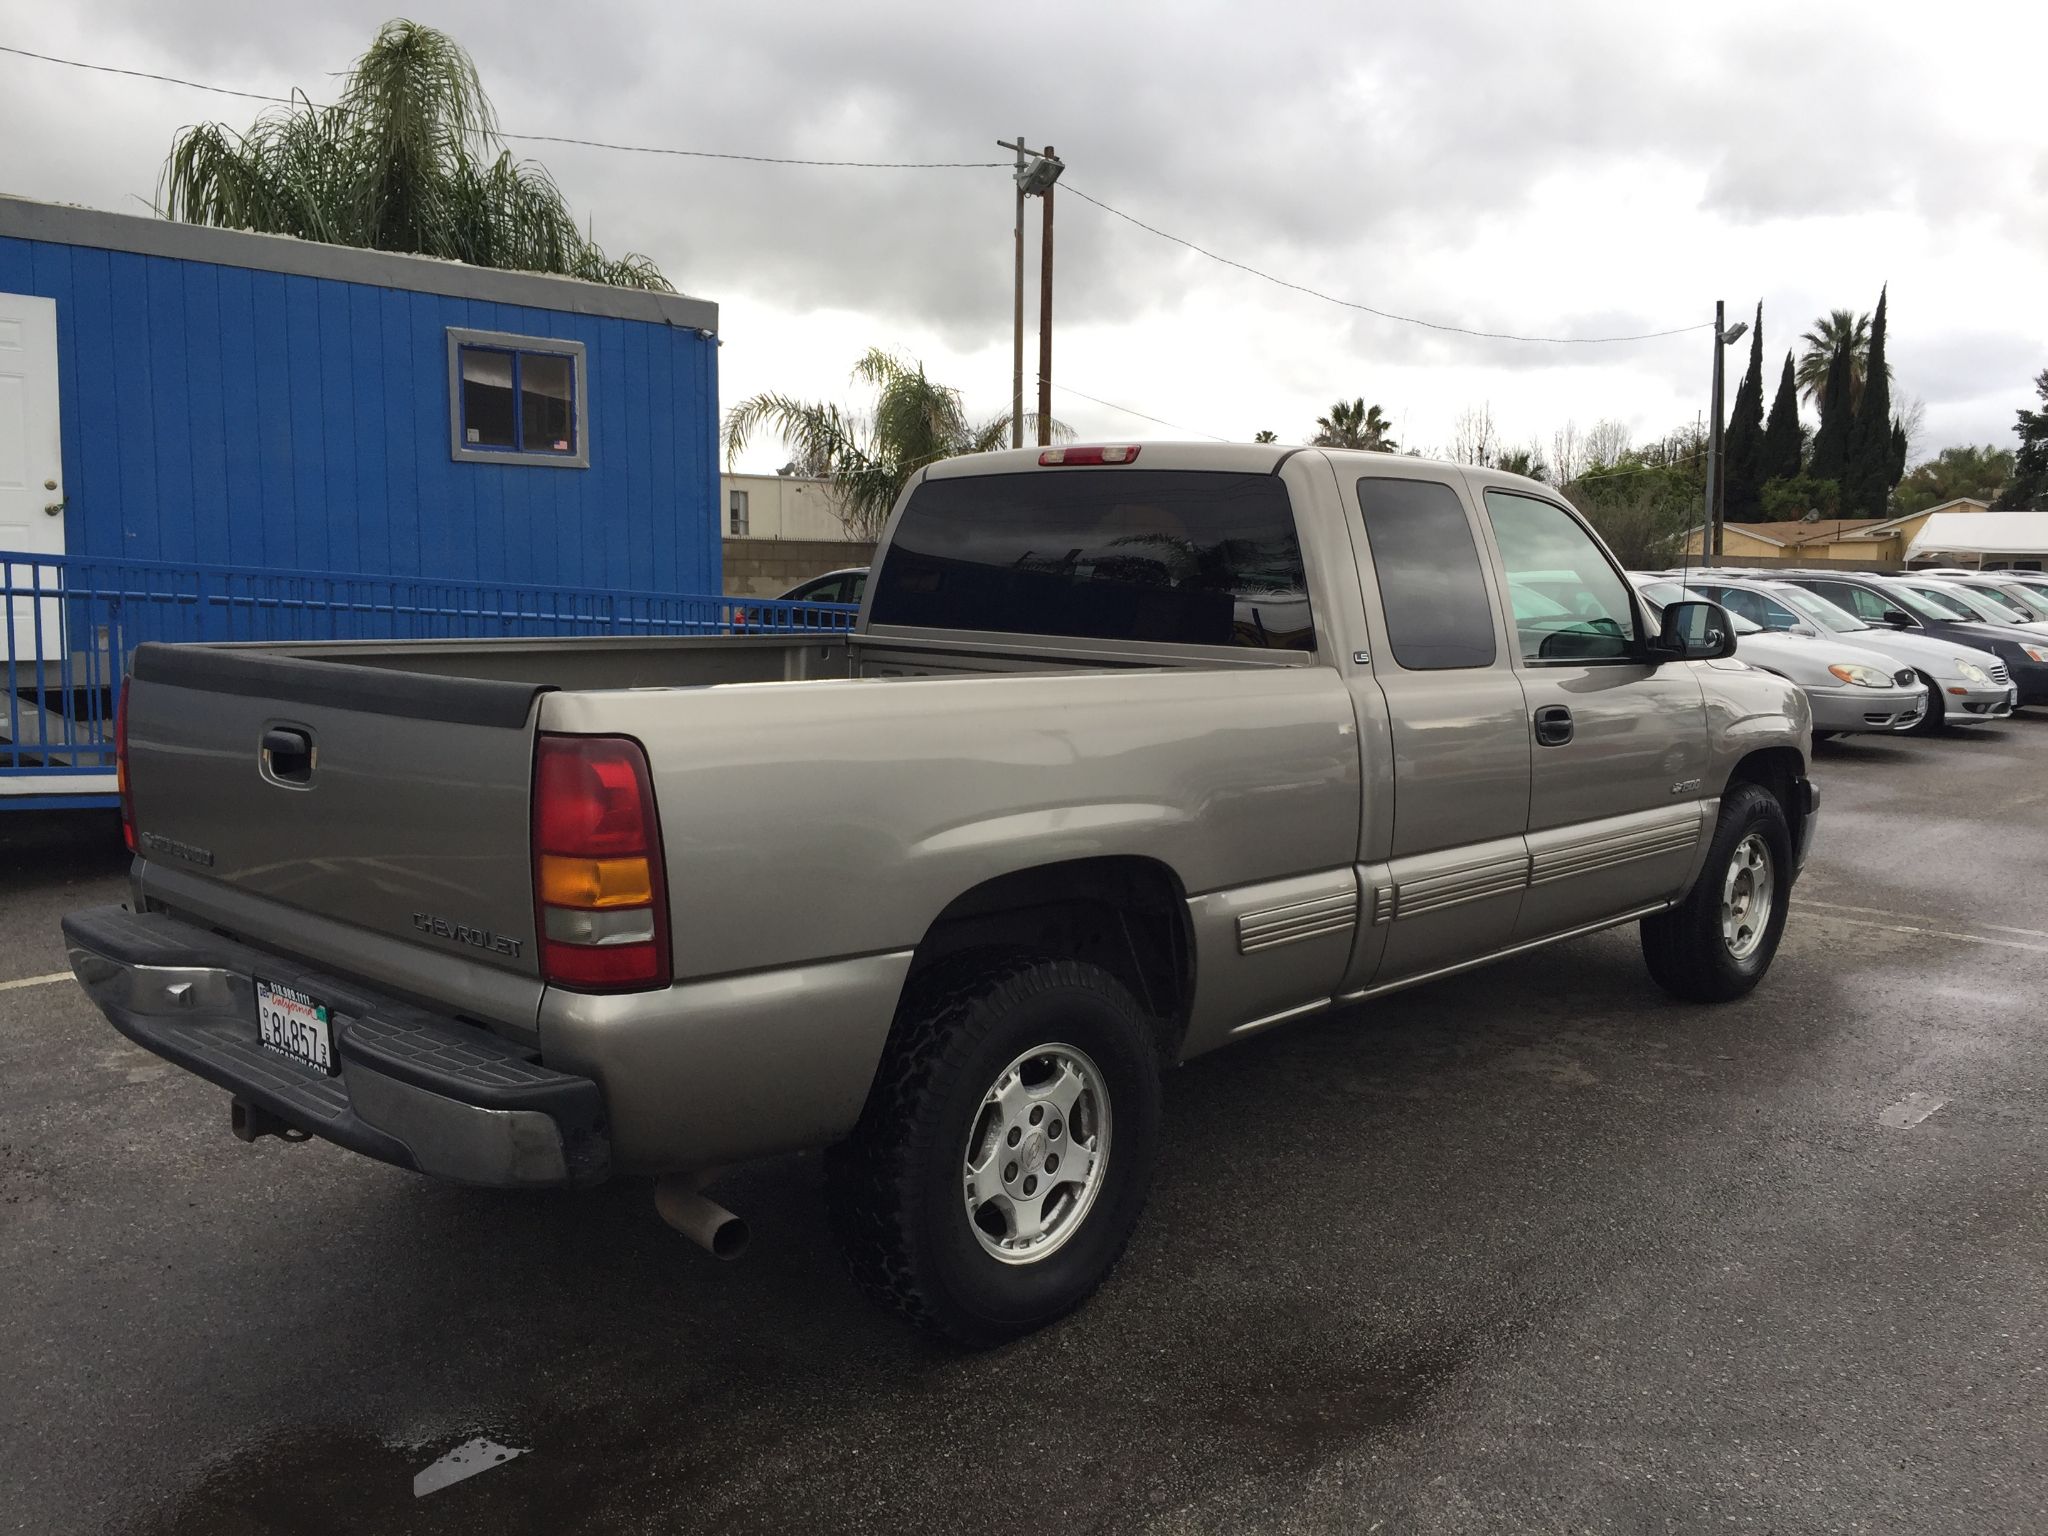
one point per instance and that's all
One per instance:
(1619, 746)
(1431, 591)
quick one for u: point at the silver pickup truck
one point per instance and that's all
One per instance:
(1134, 752)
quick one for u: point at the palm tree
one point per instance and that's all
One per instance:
(1837, 329)
(1351, 424)
(1265, 437)
(409, 159)
(869, 459)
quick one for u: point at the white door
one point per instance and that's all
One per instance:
(31, 472)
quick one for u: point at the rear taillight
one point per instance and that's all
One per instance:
(599, 899)
(121, 768)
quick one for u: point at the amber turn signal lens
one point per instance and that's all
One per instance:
(590, 884)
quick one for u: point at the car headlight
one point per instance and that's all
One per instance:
(1862, 676)
(2038, 652)
(1971, 672)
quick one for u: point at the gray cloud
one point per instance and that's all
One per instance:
(1582, 168)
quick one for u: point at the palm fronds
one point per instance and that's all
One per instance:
(869, 459)
(407, 160)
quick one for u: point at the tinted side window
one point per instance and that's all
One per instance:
(1176, 556)
(1861, 601)
(1547, 553)
(1431, 590)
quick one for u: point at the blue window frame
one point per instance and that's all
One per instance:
(516, 399)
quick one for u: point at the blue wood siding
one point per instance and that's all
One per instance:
(224, 416)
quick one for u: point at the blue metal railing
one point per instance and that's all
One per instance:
(71, 623)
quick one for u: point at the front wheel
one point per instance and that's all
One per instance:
(1006, 1149)
(1716, 944)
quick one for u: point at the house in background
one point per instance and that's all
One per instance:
(780, 530)
(1797, 543)
(1964, 532)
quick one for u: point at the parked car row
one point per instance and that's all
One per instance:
(1912, 652)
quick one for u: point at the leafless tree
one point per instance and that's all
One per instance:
(1607, 441)
(1475, 439)
(1567, 453)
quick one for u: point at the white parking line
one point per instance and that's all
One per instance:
(35, 981)
(1836, 906)
(1933, 933)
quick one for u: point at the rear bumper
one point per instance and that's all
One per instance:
(416, 1089)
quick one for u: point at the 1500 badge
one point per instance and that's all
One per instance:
(462, 933)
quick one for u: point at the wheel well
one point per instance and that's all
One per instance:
(1128, 915)
(1777, 769)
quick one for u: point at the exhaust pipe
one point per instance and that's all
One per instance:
(703, 1221)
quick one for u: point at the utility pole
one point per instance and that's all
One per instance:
(1035, 175)
(1710, 538)
(1045, 316)
(1717, 468)
(1017, 317)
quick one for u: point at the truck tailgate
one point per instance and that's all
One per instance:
(394, 802)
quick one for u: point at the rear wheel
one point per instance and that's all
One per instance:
(1006, 1149)
(1930, 724)
(1716, 944)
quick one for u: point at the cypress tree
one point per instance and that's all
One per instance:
(1743, 465)
(1867, 478)
(1898, 452)
(1830, 459)
(1782, 437)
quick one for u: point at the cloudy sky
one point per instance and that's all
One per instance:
(1575, 169)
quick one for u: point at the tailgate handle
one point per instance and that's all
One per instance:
(287, 755)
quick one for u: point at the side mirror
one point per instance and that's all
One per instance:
(1694, 631)
(1897, 618)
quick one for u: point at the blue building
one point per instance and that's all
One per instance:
(212, 434)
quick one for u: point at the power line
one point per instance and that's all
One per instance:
(1156, 420)
(1384, 314)
(712, 154)
(141, 74)
(535, 138)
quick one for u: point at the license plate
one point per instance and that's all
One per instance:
(293, 1025)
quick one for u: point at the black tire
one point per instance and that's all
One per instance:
(896, 1185)
(1931, 723)
(1684, 947)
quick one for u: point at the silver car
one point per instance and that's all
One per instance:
(1966, 686)
(1851, 687)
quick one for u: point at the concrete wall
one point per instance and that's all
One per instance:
(770, 567)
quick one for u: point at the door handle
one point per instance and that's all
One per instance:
(1553, 725)
(288, 754)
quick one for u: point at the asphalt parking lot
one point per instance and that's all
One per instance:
(1532, 1250)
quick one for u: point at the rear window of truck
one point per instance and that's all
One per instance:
(1178, 557)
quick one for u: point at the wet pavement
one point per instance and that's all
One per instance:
(1531, 1250)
